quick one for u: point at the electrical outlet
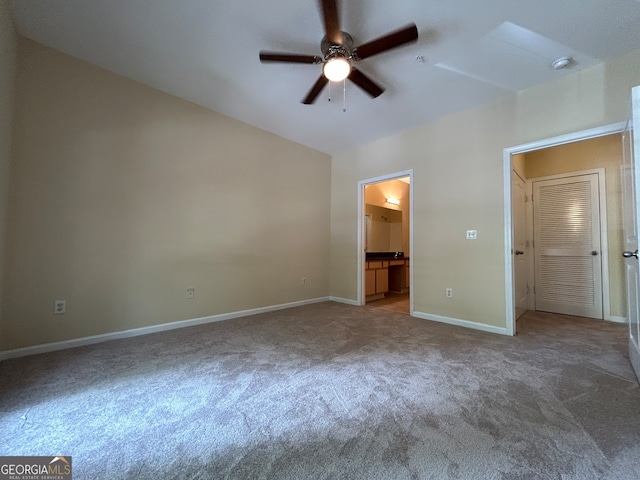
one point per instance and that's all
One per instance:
(303, 281)
(472, 234)
(448, 292)
(191, 293)
(59, 307)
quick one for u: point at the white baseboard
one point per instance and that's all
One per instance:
(134, 332)
(461, 323)
(348, 301)
(613, 318)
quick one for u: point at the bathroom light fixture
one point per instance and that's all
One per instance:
(393, 201)
(337, 69)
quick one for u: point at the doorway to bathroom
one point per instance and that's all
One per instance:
(385, 241)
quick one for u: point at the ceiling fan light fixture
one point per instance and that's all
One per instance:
(337, 69)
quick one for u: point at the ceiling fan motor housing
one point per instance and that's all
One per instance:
(332, 50)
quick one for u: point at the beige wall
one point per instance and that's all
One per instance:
(122, 197)
(603, 152)
(458, 185)
(7, 91)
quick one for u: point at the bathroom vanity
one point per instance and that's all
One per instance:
(386, 272)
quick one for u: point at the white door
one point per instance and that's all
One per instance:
(631, 225)
(568, 268)
(520, 247)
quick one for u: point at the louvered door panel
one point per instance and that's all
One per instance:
(565, 215)
(566, 279)
(567, 233)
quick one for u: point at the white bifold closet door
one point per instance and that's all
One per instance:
(568, 266)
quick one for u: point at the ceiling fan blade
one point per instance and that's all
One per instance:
(315, 90)
(288, 58)
(387, 42)
(331, 22)
(365, 83)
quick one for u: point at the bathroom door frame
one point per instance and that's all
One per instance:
(361, 297)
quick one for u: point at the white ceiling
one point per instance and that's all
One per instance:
(469, 52)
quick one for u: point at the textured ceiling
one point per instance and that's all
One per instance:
(469, 52)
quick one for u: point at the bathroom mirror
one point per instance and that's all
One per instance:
(383, 229)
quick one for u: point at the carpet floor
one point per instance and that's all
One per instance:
(332, 391)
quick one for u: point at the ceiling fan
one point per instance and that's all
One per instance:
(339, 55)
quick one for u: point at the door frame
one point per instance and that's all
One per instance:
(507, 163)
(361, 296)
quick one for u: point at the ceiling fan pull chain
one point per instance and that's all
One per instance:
(344, 95)
(329, 91)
